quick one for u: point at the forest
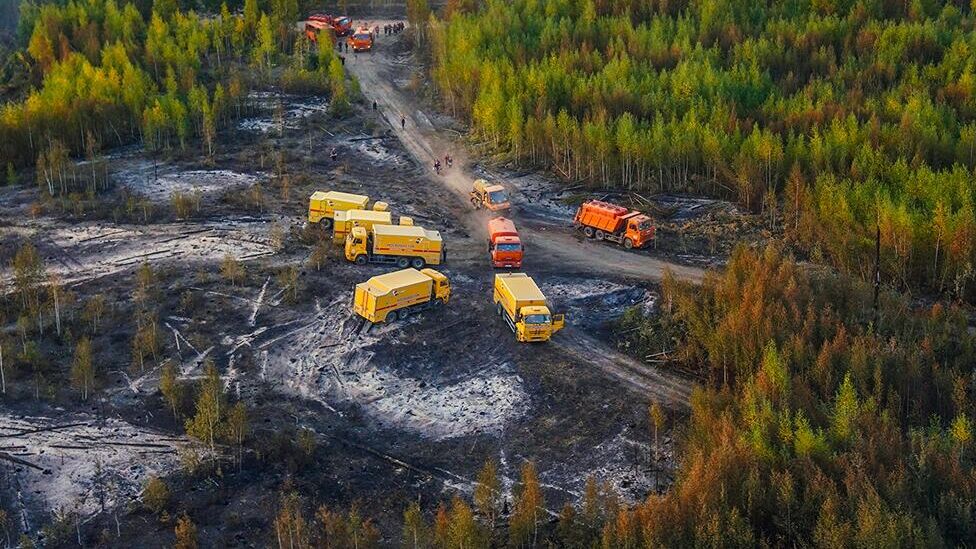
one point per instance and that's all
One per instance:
(106, 75)
(837, 118)
(826, 422)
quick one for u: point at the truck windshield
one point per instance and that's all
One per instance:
(644, 225)
(343, 20)
(363, 37)
(537, 319)
(509, 247)
(497, 197)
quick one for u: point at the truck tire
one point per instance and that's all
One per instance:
(325, 223)
(498, 308)
(391, 316)
(476, 203)
(403, 313)
(588, 231)
(628, 243)
(417, 263)
(403, 262)
(600, 235)
(361, 260)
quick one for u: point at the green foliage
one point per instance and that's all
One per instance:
(829, 426)
(872, 104)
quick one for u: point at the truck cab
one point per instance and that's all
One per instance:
(361, 40)
(640, 231)
(356, 244)
(504, 244)
(522, 304)
(537, 323)
(491, 197)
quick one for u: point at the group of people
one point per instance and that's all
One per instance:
(447, 160)
(393, 28)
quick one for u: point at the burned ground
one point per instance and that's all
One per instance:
(399, 412)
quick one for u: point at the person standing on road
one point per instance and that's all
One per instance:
(374, 105)
(403, 123)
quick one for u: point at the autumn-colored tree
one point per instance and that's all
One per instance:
(156, 495)
(186, 533)
(487, 493)
(529, 510)
(416, 532)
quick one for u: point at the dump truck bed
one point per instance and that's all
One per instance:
(602, 215)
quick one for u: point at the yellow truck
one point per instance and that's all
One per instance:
(399, 294)
(346, 221)
(523, 306)
(485, 195)
(323, 205)
(404, 245)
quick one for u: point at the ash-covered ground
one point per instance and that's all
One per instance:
(398, 412)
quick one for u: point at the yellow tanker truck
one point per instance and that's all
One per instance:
(399, 294)
(403, 245)
(523, 306)
(323, 205)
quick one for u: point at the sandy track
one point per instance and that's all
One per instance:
(422, 140)
(551, 244)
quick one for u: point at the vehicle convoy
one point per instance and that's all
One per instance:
(605, 221)
(491, 197)
(323, 205)
(504, 245)
(361, 40)
(403, 245)
(523, 306)
(399, 294)
(341, 25)
(346, 221)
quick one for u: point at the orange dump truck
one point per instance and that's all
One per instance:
(504, 244)
(605, 221)
(361, 40)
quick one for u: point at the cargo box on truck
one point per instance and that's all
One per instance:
(348, 220)
(604, 221)
(402, 245)
(399, 294)
(323, 205)
(504, 245)
(521, 303)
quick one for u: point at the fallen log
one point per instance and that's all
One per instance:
(18, 461)
(45, 429)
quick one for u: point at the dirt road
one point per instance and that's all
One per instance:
(374, 71)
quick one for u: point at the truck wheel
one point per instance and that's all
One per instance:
(628, 243)
(403, 314)
(325, 223)
(498, 308)
(417, 263)
(361, 260)
(600, 234)
(588, 231)
(403, 262)
(475, 203)
(391, 316)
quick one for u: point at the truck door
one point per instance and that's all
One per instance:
(558, 322)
